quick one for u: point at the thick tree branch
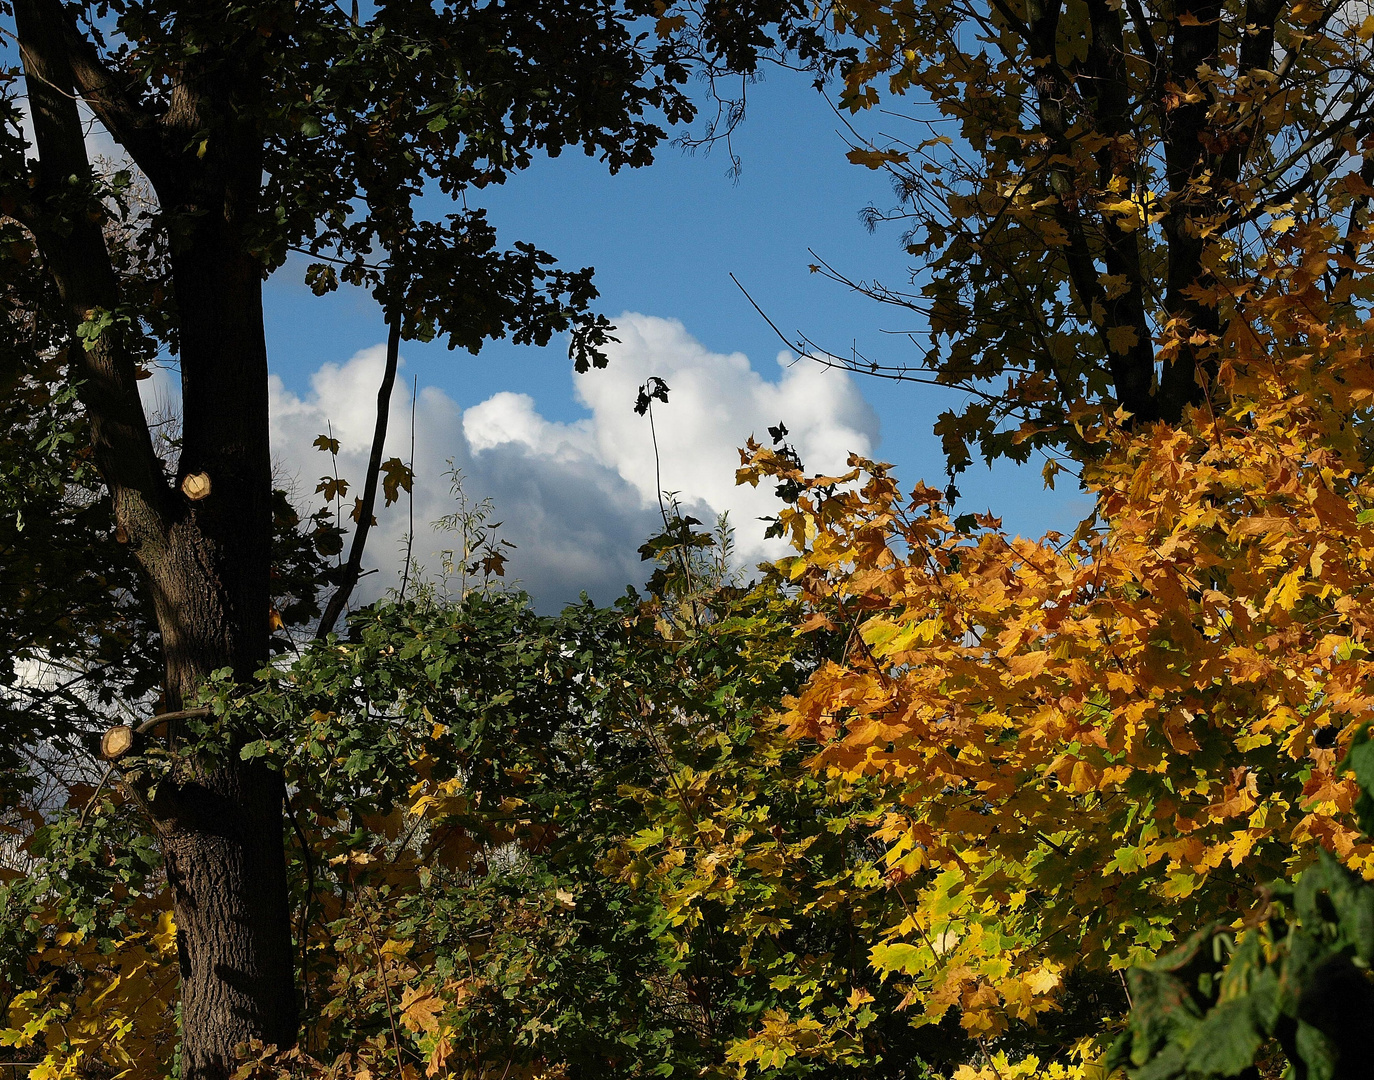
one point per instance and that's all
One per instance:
(1148, 49)
(67, 225)
(111, 98)
(1291, 54)
(1256, 54)
(1196, 39)
(1130, 355)
(1041, 33)
(1013, 20)
(1131, 363)
(1354, 122)
(1359, 208)
(1318, 170)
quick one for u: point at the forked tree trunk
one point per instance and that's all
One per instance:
(205, 559)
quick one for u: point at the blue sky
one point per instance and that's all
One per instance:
(664, 241)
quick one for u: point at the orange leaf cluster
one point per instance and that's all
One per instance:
(1094, 744)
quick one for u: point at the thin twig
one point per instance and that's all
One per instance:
(109, 771)
(309, 861)
(828, 359)
(167, 717)
(386, 991)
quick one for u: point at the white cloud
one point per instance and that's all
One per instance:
(715, 403)
(574, 522)
(507, 418)
(577, 498)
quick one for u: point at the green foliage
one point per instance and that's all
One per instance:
(1297, 975)
(78, 654)
(520, 844)
(71, 622)
(612, 858)
(354, 117)
(71, 652)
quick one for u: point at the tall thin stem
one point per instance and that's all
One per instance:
(353, 570)
(410, 529)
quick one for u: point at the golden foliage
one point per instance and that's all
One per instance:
(1094, 744)
(120, 1021)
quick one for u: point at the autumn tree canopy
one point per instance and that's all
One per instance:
(1090, 189)
(914, 801)
(1096, 743)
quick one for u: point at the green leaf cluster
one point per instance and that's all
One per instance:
(1296, 983)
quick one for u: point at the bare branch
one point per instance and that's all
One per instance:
(353, 568)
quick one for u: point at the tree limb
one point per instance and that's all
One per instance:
(1013, 20)
(353, 568)
(1133, 368)
(133, 126)
(1256, 53)
(1148, 48)
(1195, 44)
(1358, 207)
(67, 225)
(1132, 365)
(1323, 164)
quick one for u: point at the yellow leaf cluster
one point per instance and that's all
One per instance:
(119, 1020)
(997, 1067)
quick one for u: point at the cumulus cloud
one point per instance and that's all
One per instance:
(577, 499)
(716, 402)
(570, 518)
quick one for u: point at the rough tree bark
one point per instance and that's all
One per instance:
(206, 560)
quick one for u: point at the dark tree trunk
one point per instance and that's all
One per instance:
(221, 837)
(1182, 379)
(206, 559)
(222, 827)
